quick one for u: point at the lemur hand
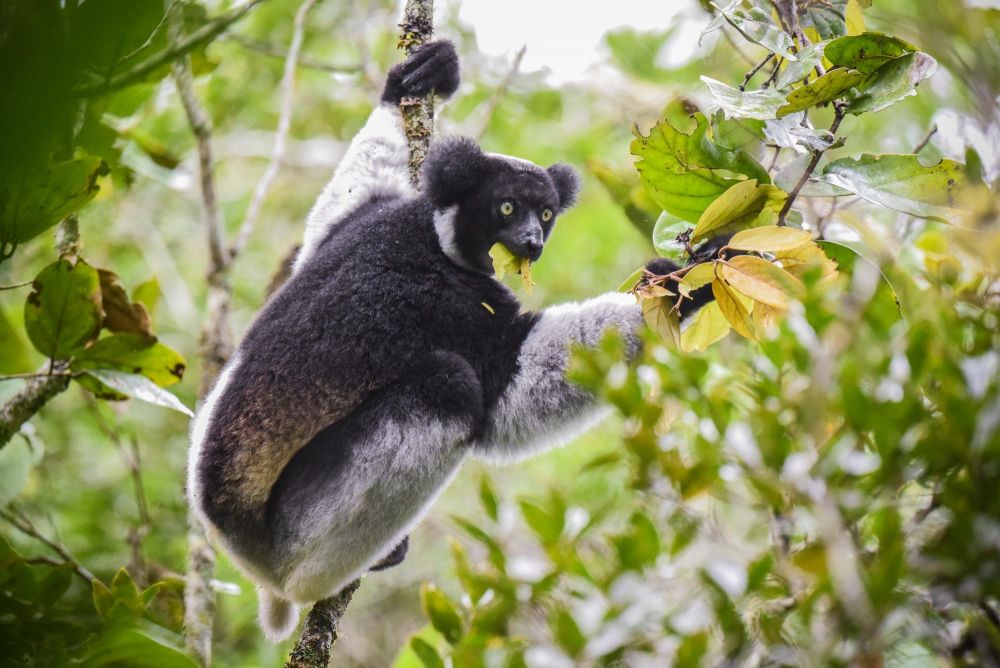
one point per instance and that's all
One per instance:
(431, 67)
(707, 251)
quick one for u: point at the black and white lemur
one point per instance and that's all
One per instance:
(389, 356)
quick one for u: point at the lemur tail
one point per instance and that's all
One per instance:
(278, 616)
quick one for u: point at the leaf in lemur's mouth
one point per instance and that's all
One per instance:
(505, 262)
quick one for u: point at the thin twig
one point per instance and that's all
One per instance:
(922, 144)
(180, 49)
(24, 525)
(756, 68)
(37, 374)
(304, 61)
(500, 92)
(14, 286)
(839, 112)
(280, 135)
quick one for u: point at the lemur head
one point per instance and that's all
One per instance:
(482, 198)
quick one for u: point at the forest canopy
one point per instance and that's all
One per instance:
(804, 473)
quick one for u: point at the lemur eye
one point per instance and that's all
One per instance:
(546, 215)
(506, 207)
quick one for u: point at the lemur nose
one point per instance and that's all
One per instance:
(534, 249)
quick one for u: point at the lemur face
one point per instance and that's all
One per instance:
(490, 198)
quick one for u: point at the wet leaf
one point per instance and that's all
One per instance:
(139, 387)
(63, 311)
(789, 132)
(732, 308)
(893, 82)
(739, 207)
(685, 173)
(770, 239)
(707, 327)
(901, 183)
(795, 71)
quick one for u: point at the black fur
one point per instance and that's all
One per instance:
(431, 67)
(661, 266)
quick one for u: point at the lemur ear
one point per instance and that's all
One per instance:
(567, 183)
(454, 166)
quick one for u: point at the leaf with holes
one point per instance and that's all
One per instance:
(685, 173)
(121, 314)
(902, 183)
(738, 208)
(63, 311)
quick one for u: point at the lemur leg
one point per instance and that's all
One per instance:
(349, 497)
(540, 408)
(376, 163)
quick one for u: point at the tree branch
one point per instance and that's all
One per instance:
(320, 633)
(275, 51)
(180, 49)
(840, 111)
(24, 525)
(281, 134)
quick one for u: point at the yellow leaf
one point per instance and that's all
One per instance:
(761, 280)
(740, 206)
(798, 261)
(733, 310)
(707, 327)
(770, 239)
(488, 308)
(765, 317)
(855, 18)
(658, 315)
(505, 262)
(699, 275)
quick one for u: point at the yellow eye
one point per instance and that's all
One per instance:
(546, 215)
(506, 207)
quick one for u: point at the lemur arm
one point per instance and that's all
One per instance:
(376, 163)
(540, 408)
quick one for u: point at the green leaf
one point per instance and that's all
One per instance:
(665, 234)
(120, 313)
(63, 311)
(629, 283)
(827, 88)
(488, 497)
(566, 632)
(626, 190)
(38, 201)
(902, 183)
(756, 25)
(547, 524)
(827, 17)
(426, 653)
(639, 546)
(140, 643)
(54, 584)
(867, 52)
(139, 387)
(895, 81)
(442, 612)
(133, 354)
(684, 173)
(790, 132)
(738, 208)
(148, 294)
(497, 556)
(759, 104)
(692, 650)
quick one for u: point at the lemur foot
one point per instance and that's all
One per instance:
(394, 558)
(431, 67)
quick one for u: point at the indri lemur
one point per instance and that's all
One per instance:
(390, 355)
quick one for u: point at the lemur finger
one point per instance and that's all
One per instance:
(439, 73)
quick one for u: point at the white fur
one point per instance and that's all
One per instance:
(199, 428)
(278, 617)
(394, 480)
(540, 409)
(444, 225)
(375, 163)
